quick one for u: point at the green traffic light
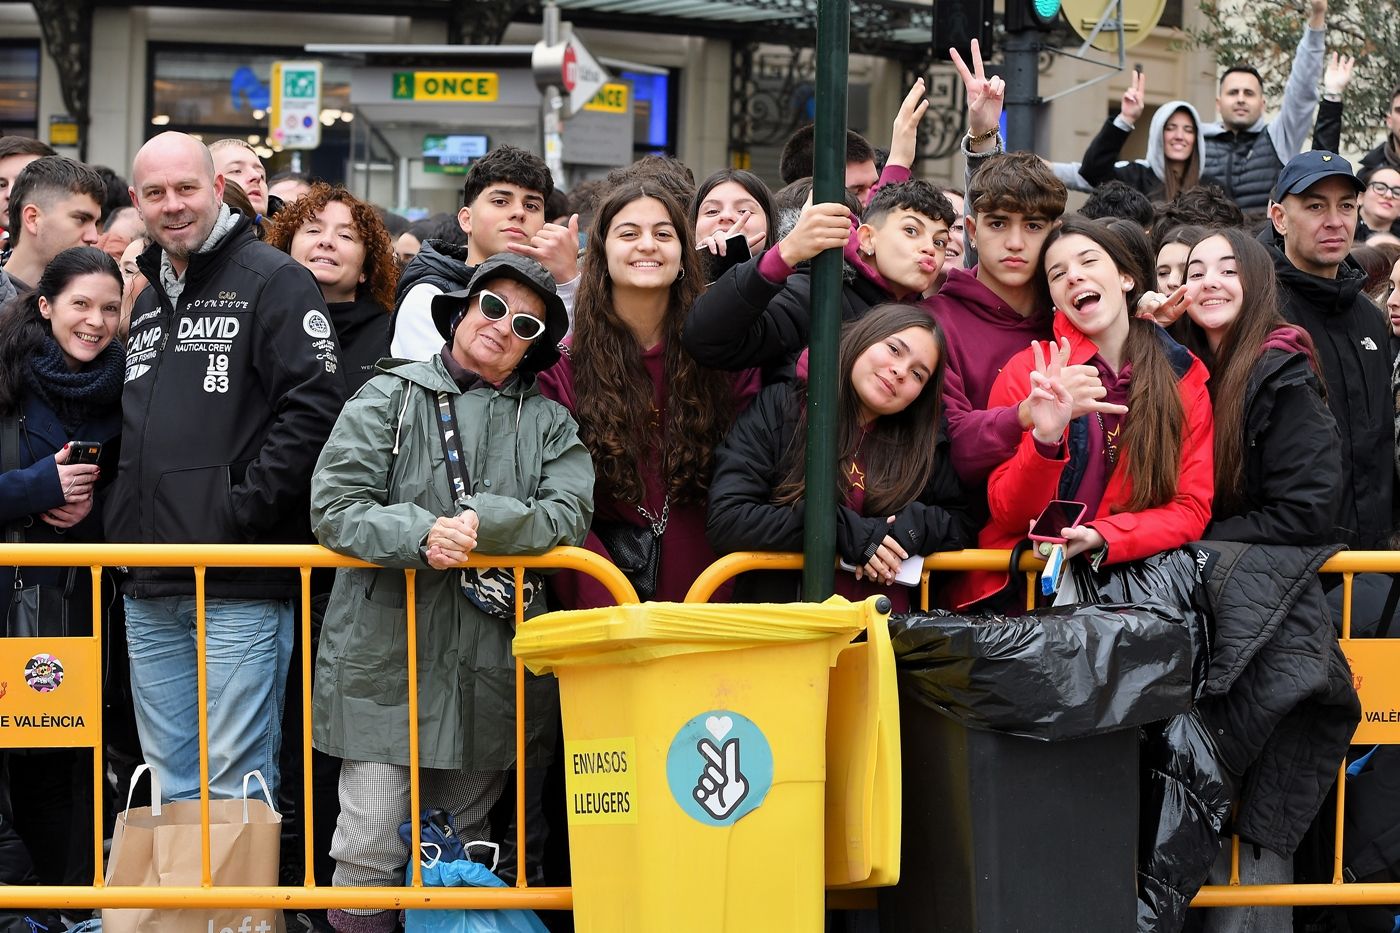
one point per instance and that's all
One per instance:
(1046, 9)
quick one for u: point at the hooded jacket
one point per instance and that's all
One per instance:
(230, 392)
(1148, 175)
(1351, 336)
(1248, 161)
(380, 483)
(1387, 153)
(1020, 488)
(438, 267)
(363, 329)
(1292, 470)
(745, 321)
(982, 333)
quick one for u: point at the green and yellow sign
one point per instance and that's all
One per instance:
(611, 98)
(477, 87)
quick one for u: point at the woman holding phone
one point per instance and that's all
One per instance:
(729, 204)
(61, 373)
(1145, 474)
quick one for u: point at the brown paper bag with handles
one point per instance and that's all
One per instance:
(159, 847)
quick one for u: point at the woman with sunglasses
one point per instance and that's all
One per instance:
(383, 492)
(650, 415)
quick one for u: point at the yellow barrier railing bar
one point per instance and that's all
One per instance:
(201, 557)
(98, 777)
(415, 804)
(303, 557)
(201, 631)
(521, 874)
(1233, 894)
(307, 775)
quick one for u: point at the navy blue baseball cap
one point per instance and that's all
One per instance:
(1308, 168)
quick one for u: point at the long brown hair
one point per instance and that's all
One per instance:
(615, 416)
(1155, 423)
(381, 266)
(1191, 175)
(898, 449)
(1231, 366)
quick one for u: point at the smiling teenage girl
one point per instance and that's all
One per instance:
(1145, 476)
(899, 494)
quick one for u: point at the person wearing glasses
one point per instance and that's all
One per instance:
(1379, 210)
(384, 492)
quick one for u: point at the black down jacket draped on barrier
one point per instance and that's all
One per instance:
(1274, 714)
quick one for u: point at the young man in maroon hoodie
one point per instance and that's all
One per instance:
(992, 311)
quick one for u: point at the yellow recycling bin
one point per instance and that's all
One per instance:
(695, 760)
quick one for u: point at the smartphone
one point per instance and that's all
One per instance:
(84, 451)
(736, 252)
(1058, 515)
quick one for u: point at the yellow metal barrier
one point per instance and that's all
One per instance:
(303, 557)
(1373, 663)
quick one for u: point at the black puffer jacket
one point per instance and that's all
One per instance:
(437, 263)
(744, 321)
(1270, 727)
(1351, 337)
(1292, 464)
(752, 461)
(1278, 699)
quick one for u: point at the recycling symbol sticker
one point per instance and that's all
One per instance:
(719, 767)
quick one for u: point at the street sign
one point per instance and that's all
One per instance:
(294, 118)
(582, 75)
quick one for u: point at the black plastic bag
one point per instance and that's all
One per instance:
(1186, 794)
(1053, 674)
(1171, 577)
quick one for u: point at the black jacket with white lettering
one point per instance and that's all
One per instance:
(229, 397)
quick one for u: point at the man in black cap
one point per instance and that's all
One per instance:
(1314, 211)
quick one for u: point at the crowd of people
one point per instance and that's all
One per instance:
(1198, 353)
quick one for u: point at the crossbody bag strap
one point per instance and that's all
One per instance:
(451, 437)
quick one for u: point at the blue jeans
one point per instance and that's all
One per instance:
(249, 642)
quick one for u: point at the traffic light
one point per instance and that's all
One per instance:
(1031, 14)
(957, 22)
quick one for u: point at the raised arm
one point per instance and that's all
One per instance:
(1290, 130)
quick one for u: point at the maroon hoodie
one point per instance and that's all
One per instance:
(982, 333)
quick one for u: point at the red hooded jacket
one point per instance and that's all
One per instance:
(1020, 488)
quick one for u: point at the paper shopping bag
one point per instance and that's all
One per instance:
(159, 847)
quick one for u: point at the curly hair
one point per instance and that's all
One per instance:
(617, 424)
(381, 266)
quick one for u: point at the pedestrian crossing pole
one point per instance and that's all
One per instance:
(828, 184)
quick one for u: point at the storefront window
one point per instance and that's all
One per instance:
(652, 110)
(19, 88)
(214, 92)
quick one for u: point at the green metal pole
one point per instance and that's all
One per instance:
(828, 184)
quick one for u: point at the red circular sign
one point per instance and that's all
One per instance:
(570, 75)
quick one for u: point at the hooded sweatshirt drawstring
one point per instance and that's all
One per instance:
(398, 428)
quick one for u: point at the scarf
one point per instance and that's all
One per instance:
(173, 284)
(77, 397)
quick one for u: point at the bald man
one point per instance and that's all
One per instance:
(232, 384)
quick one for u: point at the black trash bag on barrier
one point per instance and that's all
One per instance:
(1185, 791)
(1053, 674)
(1172, 577)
